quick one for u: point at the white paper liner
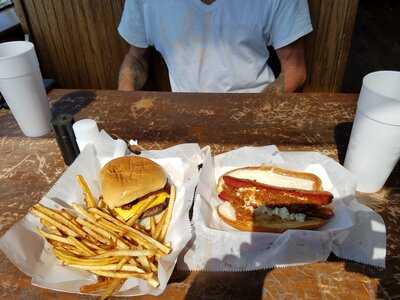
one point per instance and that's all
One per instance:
(355, 232)
(29, 252)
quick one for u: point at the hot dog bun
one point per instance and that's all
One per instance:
(276, 176)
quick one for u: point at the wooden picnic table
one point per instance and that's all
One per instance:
(316, 122)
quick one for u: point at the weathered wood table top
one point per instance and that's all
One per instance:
(320, 122)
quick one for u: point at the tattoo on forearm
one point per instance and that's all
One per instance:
(133, 74)
(139, 74)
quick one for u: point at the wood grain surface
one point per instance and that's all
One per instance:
(329, 44)
(28, 167)
(221, 119)
(79, 46)
(77, 41)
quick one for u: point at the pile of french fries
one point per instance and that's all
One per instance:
(94, 238)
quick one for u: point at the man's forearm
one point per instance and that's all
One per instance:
(293, 65)
(294, 79)
(133, 73)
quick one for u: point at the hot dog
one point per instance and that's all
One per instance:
(253, 204)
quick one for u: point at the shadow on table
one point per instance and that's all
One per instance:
(223, 285)
(209, 285)
(386, 205)
(73, 102)
(342, 137)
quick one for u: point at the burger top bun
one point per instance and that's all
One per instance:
(128, 178)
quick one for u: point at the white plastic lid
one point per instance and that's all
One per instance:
(380, 97)
(85, 129)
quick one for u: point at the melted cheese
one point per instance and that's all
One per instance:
(149, 202)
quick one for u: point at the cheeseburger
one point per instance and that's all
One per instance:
(134, 187)
(272, 199)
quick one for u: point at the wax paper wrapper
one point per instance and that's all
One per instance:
(355, 232)
(33, 256)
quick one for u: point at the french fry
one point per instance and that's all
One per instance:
(135, 234)
(110, 267)
(159, 226)
(51, 242)
(114, 286)
(153, 282)
(60, 218)
(50, 228)
(98, 240)
(101, 251)
(89, 198)
(107, 234)
(91, 245)
(66, 214)
(110, 226)
(69, 216)
(123, 261)
(69, 259)
(81, 246)
(132, 261)
(147, 241)
(84, 213)
(95, 287)
(71, 250)
(54, 237)
(110, 212)
(75, 250)
(100, 203)
(130, 253)
(106, 216)
(114, 274)
(57, 224)
(90, 238)
(75, 222)
(132, 244)
(107, 227)
(144, 262)
(118, 217)
(97, 236)
(152, 225)
(168, 213)
(153, 267)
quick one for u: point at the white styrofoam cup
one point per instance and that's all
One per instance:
(374, 147)
(22, 87)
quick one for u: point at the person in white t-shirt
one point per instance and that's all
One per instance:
(215, 45)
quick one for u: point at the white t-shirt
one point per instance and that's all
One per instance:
(220, 47)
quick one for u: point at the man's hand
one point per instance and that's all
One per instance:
(134, 70)
(293, 65)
